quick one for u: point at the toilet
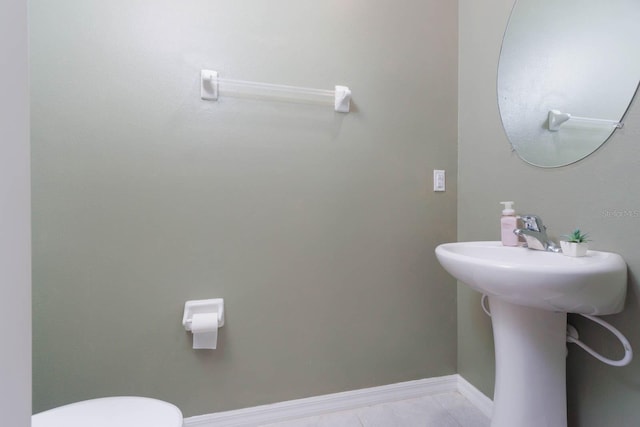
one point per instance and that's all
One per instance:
(122, 411)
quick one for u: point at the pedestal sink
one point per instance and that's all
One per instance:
(530, 293)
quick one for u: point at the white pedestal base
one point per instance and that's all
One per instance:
(530, 346)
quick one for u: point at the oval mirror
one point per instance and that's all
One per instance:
(568, 71)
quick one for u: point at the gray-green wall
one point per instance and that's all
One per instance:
(15, 217)
(600, 194)
(317, 228)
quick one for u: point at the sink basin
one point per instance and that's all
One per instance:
(530, 293)
(594, 284)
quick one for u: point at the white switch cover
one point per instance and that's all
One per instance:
(438, 180)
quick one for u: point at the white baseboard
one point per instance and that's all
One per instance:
(320, 405)
(475, 396)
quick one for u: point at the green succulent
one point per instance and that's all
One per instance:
(576, 237)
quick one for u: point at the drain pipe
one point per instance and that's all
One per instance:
(572, 337)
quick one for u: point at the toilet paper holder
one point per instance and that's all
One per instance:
(203, 306)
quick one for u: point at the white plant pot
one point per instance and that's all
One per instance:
(574, 249)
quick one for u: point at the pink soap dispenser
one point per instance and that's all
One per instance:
(508, 223)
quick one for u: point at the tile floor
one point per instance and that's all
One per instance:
(439, 410)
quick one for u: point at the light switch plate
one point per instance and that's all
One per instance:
(438, 180)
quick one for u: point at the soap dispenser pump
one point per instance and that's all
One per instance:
(508, 223)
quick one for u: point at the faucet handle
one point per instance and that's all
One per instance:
(533, 223)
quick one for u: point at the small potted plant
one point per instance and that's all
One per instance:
(575, 244)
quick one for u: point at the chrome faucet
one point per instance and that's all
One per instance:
(535, 233)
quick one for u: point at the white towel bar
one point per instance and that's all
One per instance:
(557, 118)
(210, 90)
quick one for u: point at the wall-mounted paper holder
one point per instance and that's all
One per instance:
(210, 90)
(203, 307)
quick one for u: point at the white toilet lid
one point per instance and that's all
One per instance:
(124, 411)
